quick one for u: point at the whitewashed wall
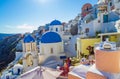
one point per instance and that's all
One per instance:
(45, 50)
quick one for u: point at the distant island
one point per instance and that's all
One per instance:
(3, 35)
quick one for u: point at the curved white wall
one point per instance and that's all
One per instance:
(59, 27)
(45, 50)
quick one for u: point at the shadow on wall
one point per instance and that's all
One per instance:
(70, 48)
(52, 62)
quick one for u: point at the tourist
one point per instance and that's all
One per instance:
(58, 67)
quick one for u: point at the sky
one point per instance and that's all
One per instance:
(20, 16)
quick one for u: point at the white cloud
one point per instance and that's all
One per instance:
(25, 26)
(21, 28)
(8, 26)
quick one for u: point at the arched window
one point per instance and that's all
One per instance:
(28, 47)
(86, 30)
(33, 47)
(29, 60)
(56, 29)
(51, 51)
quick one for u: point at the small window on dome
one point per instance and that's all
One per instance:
(56, 29)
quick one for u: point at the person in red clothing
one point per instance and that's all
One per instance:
(66, 68)
(68, 61)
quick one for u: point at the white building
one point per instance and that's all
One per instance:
(51, 44)
(30, 56)
(117, 25)
(105, 21)
(56, 26)
(117, 5)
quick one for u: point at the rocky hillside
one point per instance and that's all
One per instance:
(7, 50)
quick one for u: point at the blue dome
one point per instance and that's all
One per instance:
(28, 39)
(55, 22)
(51, 37)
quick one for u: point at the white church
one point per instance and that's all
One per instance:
(50, 45)
(30, 54)
(33, 56)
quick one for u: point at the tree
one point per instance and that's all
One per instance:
(74, 29)
(91, 50)
(97, 32)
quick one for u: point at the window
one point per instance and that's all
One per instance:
(33, 47)
(75, 46)
(7, 77)
(29, 60)
(28, 47)
(69, 37)
(19, 70)
(110, 3)
(98, 21)
(51, 51)
(86, 30)
(56, 29)
(87, 8)
(105, 18)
